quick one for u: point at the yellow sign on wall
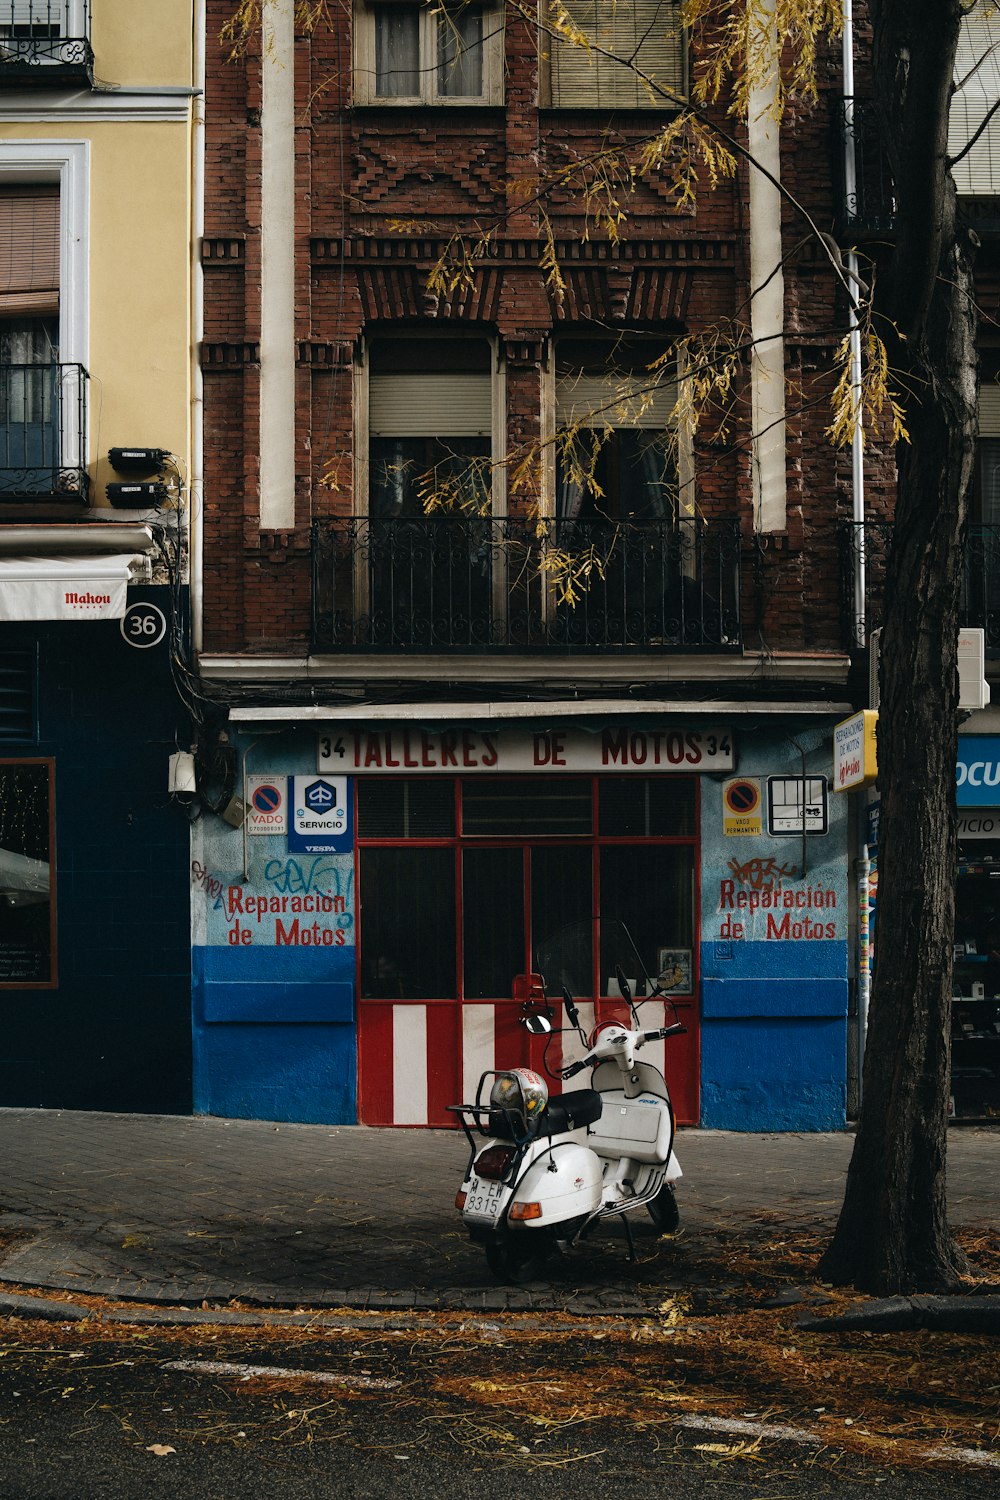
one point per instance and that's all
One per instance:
(854, 751)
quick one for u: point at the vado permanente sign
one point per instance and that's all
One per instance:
(407, 749)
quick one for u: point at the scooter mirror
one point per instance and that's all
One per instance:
(571, 1010)
(537, 1025)
(624, 988)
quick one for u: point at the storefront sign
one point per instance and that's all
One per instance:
(983, 824)
(406, 750)
(741, 807)
(854, 751)
(978, 774)
(321, 814)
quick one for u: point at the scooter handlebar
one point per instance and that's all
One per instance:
(578, 1067)
(664, 1031)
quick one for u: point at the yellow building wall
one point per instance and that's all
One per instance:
(142, 43)
(139, 357)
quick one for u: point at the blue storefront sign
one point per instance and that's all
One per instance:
(321, 820)
(978, 774)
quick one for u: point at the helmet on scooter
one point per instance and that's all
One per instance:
(520, 1094)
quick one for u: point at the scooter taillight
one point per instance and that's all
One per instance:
(494, 1162)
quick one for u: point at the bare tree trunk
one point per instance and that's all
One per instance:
(892, 1235)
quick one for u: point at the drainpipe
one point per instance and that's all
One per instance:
(196, 489)
(864, 870)
(854, 332)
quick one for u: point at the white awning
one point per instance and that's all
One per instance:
(447, 713)
(68, 588)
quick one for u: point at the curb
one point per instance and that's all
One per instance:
(49, 1310)
(971, 1314)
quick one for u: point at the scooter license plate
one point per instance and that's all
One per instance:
(484, 1200)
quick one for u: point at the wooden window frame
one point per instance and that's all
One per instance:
(364, 60)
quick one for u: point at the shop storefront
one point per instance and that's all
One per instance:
(975, 1018)
(357, 941)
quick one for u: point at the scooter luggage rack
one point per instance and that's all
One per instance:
(520, 1130)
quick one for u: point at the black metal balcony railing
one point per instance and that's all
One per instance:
(44, 40)
(443, 583)
(43, 428)
(870, 207)
(979, 606)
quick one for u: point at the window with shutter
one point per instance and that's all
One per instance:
(977, 80)
(29, 332)
(29, 252)
(614, 454)
(623, 39)
(430, 482)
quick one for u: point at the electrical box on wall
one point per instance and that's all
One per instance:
(135, 496)
(137, 460)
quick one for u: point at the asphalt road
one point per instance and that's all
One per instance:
(451, 1410)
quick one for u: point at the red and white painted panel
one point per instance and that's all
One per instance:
(417, 1057)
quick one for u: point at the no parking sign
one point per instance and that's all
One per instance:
(267, 804)
(742, 806)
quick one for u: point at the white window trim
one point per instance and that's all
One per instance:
(68, 164)
(364, 61)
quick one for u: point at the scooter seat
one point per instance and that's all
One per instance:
(571, 1111)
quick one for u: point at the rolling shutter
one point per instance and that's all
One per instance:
(29, 252)
(978, 174)
(425, 405)
(646, 31)
(615, 400)
(989, 410)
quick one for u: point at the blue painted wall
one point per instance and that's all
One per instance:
(116, 1033)
(774, 954)
(272, 1003)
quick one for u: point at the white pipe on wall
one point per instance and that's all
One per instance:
(277, 245)
(767, 288)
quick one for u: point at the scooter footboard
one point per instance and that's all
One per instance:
(642, 1130)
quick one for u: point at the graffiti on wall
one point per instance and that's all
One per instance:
(298, 902)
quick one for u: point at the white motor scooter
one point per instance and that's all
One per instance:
(543, 1169)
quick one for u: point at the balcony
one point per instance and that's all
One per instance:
(44, 43)
(461, 583)
(867, 211)
(43, 432)
(979, 606)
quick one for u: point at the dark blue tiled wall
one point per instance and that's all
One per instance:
(116, 1033)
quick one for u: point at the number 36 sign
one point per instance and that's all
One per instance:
(144, 625)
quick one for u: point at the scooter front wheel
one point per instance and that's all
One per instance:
(517, 1258)
(663, 1210)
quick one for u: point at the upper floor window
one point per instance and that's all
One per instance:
(412, 52)
(430, 408)
(977, 82)
(630, 42)
(616, 458)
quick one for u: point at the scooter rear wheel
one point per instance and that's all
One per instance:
(517, 1258)
(663, 1210)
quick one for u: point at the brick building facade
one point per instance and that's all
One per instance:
(382, 216)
